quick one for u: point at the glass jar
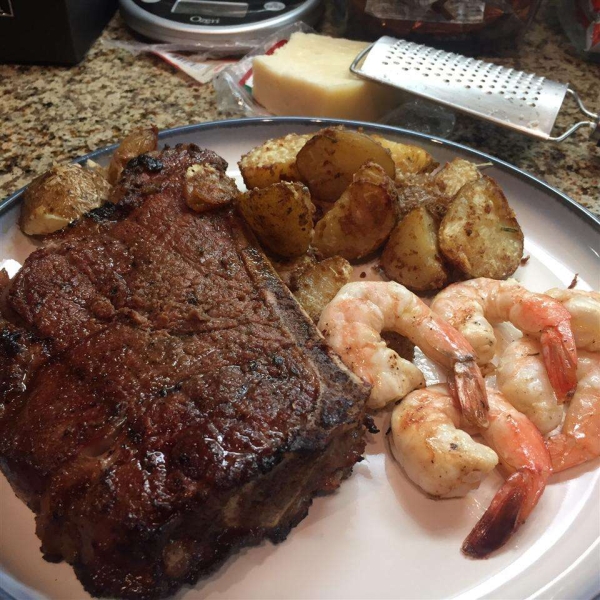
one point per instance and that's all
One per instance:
(464, 23)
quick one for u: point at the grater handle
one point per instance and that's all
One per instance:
(594, 123)
(354, 66)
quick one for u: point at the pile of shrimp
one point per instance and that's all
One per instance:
(555, 364)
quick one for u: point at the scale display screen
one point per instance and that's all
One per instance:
(213, 12)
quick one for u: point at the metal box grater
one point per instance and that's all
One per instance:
(521, 101)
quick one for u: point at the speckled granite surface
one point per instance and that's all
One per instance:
(49, 114)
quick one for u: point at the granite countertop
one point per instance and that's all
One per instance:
(50, 114)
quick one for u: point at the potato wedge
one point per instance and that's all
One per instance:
(273, 161)
(362, 219)
(328, 161)
(139, 141)
(60, 196)
(453, 175)
(480, 234)
(290, 270)
(281, 217)
(412, 256)
(207, 188)
(317, 285)
(407, 158)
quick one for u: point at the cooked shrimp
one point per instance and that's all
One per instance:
(524, 456)
(439, 457)
(521, 377)
(352, 324)
(446, 462)
(579, 440)
(472, 306)
(584, 308)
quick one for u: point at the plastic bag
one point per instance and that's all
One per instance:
(581, 21)
(198, 62)
(234, 83)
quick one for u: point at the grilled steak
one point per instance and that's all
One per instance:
(163, 398)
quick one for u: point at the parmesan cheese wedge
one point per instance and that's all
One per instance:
(310, 76)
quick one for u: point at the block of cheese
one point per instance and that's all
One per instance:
(310, 77)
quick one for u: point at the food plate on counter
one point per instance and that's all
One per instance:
(379, 536)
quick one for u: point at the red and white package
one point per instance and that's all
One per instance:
(581, 20)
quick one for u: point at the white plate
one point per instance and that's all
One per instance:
(379, 536)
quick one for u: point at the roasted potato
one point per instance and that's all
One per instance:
(328, 161)
(411, 256)
(139, 141)
(290, 270)
(480, 235)
(281, 217)
(362, 219)
(60, 196)
(207, 188)
(272, 162)
(407, 158)
(317, 285)
(453, 175)
(420, 189)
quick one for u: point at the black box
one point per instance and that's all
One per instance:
(51, 31)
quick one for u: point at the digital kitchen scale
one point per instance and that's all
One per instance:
(196, 21)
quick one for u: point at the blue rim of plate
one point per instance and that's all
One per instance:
(10, 588)
(571, 204)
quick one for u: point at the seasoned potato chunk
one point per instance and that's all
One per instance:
(411, 256)
(207, 188)
(139, 141)
(60, 196)
(479, 234)
(420, 189)
(454, 175)
(290, 270)
(329, 160)
(281, 217)
(362, 219)
(317, 285)
(272, 162)
(407, 158)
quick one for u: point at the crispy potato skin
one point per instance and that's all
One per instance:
(329, 160)
(362, 219)
(60, 196)
(480, 234)
(207, 188)
(411, 256)
(407, 158)
(453, 175)
(273, 161)
(317, 285)
(139, 141)
(281, 216)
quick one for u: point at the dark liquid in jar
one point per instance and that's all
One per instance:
(463, 23)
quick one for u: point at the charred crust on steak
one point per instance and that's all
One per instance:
(163, 398)
(145, 162)
(9, 343)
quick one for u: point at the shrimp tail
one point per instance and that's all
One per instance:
(467, 387)
(502, 518)
(560, 359)
(567, 451)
